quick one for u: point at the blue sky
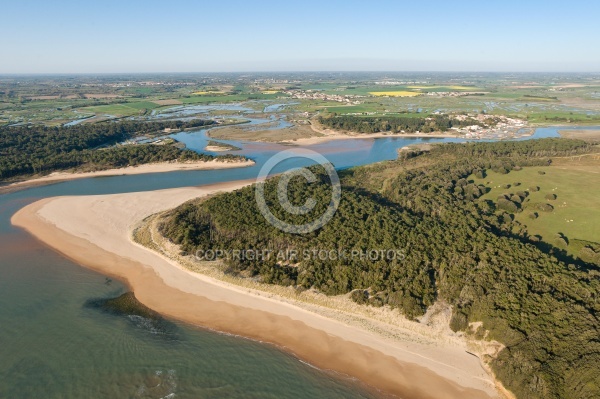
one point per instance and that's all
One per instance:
(228, 35)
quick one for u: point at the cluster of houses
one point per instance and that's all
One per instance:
(399, 83)
(503, 127)
(147, 140)
(318, 95)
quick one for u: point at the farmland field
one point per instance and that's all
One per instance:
(124, 109)
(445, 88)
(400, 93)
(545, 100)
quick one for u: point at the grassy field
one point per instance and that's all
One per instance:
(445, 88)
(166, 102)
(562, 117)
(350, 109)
(542, 100)
(369, 109)
(400, 93)
(123, 109)
(275, 136)
(576, 213)
(213, 99)
(215, 92)
(206, 99)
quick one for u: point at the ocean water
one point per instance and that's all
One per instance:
(52, 345)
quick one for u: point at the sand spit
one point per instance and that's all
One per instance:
(95, 231)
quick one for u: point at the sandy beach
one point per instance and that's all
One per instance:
(345, 136)
(95, 231)
(330, 134)
(582, 134)
(307, 135)
(216, 148)
(161, 167)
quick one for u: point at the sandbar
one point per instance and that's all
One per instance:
(159, 167)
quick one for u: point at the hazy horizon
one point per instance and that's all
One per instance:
(213, 72)
(233, 36)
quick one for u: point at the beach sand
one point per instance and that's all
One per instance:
(307, 135)
(160, 167)
(582, 134)
(325, 135)
(216, 148)
(364, 136)
(95, 231)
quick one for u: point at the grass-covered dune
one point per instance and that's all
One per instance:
(457, 246)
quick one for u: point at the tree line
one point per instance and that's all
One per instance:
(37, 149)
(394, 124)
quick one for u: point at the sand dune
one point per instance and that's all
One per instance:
(95, 231)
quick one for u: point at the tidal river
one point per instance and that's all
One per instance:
(54, 343)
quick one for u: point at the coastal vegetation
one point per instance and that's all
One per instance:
(455, 239)
(222, 146)
(32, 150)
(396, 124)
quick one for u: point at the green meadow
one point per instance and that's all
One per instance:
(122, 109)
(562, 117)
(206, 99)
(576, 213)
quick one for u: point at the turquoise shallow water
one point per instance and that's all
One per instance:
(53, 346)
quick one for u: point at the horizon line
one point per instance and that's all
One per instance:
(288, 71)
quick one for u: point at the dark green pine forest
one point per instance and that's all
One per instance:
(397, 124)
(36, 149)
(541, 303)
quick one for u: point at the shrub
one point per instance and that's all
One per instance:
(551, 197)
(507, 205)
(459, 321)
(561, 243)
(411, 307)
(376, 301)
(545, 207)
(359, 296)
(462, 182)
(587, 254)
